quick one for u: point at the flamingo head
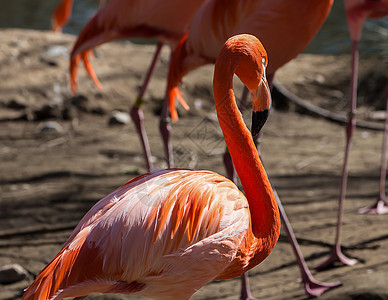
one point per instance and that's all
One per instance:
(247, 59)
(252, 73)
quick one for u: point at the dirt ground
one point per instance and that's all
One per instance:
(59, 154)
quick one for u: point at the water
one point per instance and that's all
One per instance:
(333, 38)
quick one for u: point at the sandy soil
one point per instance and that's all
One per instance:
(59, 155)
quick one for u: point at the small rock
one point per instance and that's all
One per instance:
(53, 53)
(57, 50)
(50, 127)
(198, 104)
(119, 118)
(378, 115)
(12, 273)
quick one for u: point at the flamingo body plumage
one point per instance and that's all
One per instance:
(135, 236)
(284, 27)
(167, 233)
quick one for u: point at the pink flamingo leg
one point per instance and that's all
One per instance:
(381, 206)
(336, 254)
(312, 286)
(245, 290)
(165, 131)
(137, 113)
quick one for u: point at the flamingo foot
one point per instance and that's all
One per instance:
(379, 208)
(245, 291)
(316, 288)
(137, 117)
(336, 255)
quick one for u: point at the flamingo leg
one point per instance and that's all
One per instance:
(137, 113)
(245, 290)
(336, 254)
(381, 205)
(312, 286)
(165, 131)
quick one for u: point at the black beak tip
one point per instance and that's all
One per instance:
(258, 120)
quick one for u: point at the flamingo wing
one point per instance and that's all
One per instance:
(161, 233)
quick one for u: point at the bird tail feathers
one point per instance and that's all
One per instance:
(51, 278)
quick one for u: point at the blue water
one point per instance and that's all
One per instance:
(333, 38)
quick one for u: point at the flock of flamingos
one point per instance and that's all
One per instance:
(167, 233)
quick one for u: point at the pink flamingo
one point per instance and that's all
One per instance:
(167, 233)
(357, 11)
(164, 20)
(285, 28)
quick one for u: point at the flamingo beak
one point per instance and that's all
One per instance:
(261, 99)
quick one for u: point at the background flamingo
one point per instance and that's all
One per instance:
(167, 233)
(285, 31)
(164, 20)
(357, 11)
(279, 24)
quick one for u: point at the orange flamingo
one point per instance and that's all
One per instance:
(167, 233)
(279, 24)
(285, 28)
(357, 11)
(164, 20)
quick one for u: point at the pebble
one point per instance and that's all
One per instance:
(57, 50)
(378, 115)
(119, 118)
(50, 127)
(12, 273)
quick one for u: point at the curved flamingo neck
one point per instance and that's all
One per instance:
(257, 188)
